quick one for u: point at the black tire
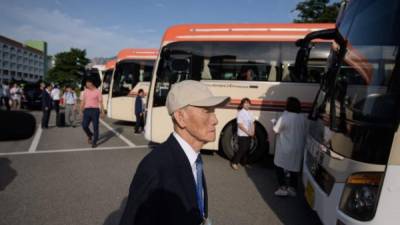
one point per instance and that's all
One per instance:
(259, 145)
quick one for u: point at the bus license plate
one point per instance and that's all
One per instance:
(310, 195)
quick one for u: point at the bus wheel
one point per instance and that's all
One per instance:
(259, 146)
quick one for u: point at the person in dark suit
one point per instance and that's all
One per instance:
(139, 112)
(46, 106)
(169, 186)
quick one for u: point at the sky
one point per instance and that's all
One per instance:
(105, 27)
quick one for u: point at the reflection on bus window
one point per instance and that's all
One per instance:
(365, 105)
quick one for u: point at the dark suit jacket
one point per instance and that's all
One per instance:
(46, 100)
(138, 105)
(163, 190)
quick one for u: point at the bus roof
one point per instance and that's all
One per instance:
(137, 53)
(242, 32)
(110, 64)
(98, 67)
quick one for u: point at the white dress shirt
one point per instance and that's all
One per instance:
(69, 98)
(190, 153)
(55, 94)
(245, 118)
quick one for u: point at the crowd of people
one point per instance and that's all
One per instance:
(11, 95)
(89, 106)
(52, 97)
(194, 125)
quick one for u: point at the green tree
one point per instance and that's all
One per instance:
(316, 11)
(69, 67)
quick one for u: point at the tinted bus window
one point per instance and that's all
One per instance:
(129, 73)
(375, 17)
(229, 61)
(366, 91)
(107, 81)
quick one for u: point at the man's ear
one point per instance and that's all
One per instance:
(179, 118)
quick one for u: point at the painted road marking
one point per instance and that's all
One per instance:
(36, 139)
(122, 137)
(74, 150)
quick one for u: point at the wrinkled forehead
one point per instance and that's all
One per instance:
(199, 109)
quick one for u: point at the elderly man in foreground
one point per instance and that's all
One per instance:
(169, 186)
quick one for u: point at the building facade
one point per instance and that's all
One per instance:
(21, 62)
(41, 46)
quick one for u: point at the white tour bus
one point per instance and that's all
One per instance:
(351, 170)
(133, 71)
(219, 55)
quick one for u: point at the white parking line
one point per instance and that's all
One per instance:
(36, 139)
(123, 138)
(73, 150)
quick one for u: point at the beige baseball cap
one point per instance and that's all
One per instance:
(194, 93)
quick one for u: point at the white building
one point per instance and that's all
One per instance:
(20, 62)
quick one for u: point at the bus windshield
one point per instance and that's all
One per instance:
(233, 61)
(362, 104)
(129, 73)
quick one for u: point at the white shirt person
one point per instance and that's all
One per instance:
(245, 132)
(246, 118)
(291, 129)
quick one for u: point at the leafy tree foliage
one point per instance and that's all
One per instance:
(316, 11)
(69, 67)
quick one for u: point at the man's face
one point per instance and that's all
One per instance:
(200, 123)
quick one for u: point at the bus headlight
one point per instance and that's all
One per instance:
(361, 195)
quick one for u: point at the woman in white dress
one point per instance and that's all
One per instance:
(291, 129)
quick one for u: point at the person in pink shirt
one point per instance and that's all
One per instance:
(91, 107)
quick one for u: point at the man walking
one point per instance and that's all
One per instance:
(70, 106)
(139, 112)
(91, 108)
(169, 186)
(46, 106)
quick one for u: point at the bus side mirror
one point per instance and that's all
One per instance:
(317, 104)
(300, 66)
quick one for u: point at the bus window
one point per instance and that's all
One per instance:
(106, 81)
(215, 61)
(129, 73)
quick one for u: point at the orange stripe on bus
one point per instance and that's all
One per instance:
(137, 53)
(242, 32)
(110, 64)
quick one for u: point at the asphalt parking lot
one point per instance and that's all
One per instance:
(55, 178)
